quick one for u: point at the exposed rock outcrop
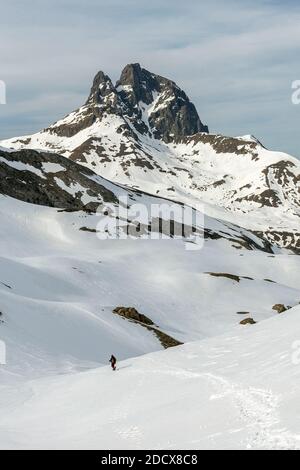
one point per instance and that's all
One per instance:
(280, 308)
(248, 321)
(133, 315)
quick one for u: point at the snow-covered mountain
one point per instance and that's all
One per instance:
(71, 293)
(145, 133)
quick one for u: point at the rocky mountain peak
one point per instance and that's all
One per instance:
(147, 103)
(136, 84)
(101, 88)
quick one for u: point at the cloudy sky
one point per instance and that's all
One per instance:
(236, 59)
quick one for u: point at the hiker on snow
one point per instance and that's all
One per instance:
(113, 362)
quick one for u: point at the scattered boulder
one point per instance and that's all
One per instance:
(280, 308)
(174, 116)
(248, 321)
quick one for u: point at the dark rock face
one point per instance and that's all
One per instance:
(101, 88)
(69, 130)
(280, 308)
(141, 82)
(171, 117)
(50, 180)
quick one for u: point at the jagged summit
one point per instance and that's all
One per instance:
(145, 133)
(149, 104)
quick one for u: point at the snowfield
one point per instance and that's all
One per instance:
(238, 391)
(58, 287)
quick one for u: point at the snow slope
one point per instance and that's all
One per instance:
(237, 391)
(59, 285)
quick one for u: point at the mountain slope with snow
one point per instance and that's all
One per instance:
(145, 133)
(228, 392)
(52, 180)
(59, 285)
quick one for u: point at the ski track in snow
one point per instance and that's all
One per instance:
(260, 409)
(121, 412)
